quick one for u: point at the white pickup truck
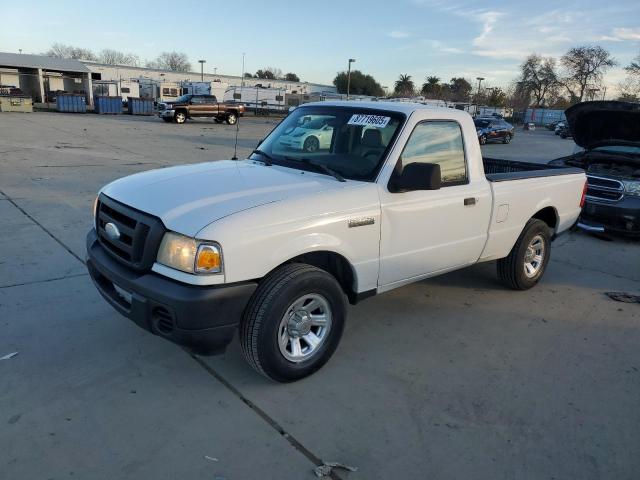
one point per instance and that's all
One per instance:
(274, 245)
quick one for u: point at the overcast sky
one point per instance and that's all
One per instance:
(486, 38)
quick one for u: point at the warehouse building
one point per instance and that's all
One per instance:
(100, 71)
(41, 77)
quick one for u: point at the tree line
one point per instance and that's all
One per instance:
(175, 61)
(542, 82)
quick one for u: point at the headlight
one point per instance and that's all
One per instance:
(95, 213)
(190, 255)
(632, 187)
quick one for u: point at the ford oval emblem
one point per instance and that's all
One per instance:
(112, 231)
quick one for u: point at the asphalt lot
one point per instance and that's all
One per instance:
(450, 378)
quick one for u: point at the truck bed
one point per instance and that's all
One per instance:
(497, 170)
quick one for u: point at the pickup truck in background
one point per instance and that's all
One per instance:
(275, 245)
(198, 106)
(608, 134)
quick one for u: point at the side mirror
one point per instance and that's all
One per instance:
(419, 176)
(259, 143)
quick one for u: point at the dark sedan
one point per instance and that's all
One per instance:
(492, 129)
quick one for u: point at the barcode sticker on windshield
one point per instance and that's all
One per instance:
(369, 120)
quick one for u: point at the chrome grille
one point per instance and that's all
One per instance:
(604, 189)
(140, 234)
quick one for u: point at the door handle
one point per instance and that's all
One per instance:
(468, 202)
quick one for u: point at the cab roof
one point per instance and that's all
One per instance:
(402, 107)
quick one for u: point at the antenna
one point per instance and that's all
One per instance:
(235, 146)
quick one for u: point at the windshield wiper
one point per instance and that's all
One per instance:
(319, 166)
(266, 156)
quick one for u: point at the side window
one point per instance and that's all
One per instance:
(196, 100)
(438, 142)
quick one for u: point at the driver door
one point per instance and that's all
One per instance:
(429, 231)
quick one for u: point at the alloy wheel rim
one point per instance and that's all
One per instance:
(534, 256)
(304, 328)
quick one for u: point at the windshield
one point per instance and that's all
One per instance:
(482, 123)
(184, 98)
(352, 142)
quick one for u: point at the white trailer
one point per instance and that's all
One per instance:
(257, 99)
(205, 88)
(128, 88)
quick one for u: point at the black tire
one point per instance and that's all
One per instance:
(483, 140)
(262, 318)
(511, 269)
(232, 118)
(167, 119)
(311, 144)
(180, 116)
(506, 139)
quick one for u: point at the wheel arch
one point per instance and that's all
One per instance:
(548, 215)
(333, 263)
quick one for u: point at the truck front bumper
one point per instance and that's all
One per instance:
(166, 113)
(203, 319)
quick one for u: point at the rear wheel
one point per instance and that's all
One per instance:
(528, 259)
(232, 118)
(293, 323)
(180, 116)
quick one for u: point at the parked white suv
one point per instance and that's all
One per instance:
(276, 244)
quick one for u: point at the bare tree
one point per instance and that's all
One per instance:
(114, 57)
(176, 61)
(585, 66)
(634, 67)
(60, 50)
(539, 77)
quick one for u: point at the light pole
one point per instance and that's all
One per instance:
(202, 62)
(480, 79)
(242, 80)
(351, 60)
(215, 70)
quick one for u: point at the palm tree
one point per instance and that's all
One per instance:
(431, 87)
(404, 86)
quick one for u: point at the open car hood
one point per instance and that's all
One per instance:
(595, 124)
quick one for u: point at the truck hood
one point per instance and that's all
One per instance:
(188, 198)
(595, 124)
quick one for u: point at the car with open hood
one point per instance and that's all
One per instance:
(608, 134)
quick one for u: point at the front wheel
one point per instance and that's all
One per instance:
(528, 259)
(506, 139)
(483, 140)
(232, 118)
(293, 323)
(180, 117)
